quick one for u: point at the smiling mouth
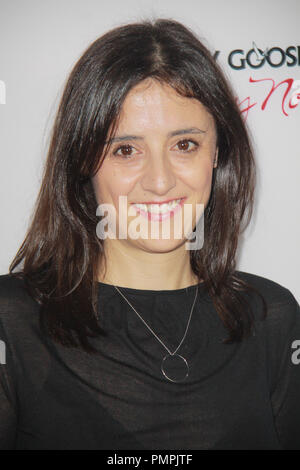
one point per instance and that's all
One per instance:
(159, 208)
(159, 211)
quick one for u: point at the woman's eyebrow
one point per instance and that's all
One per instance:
(191, 130)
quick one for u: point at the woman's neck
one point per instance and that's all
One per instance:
(128, 266)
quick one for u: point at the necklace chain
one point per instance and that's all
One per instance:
(187, 327)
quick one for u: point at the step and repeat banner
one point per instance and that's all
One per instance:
(257, 45)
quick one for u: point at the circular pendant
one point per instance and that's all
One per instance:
(175, 368)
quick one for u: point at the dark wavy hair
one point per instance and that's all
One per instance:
(61, 251)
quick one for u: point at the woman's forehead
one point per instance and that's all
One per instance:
(152, 104)
(153, 91)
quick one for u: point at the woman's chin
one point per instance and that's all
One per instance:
(157, 245)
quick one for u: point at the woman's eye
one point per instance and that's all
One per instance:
(124, 151)
(127, 151)
(185, 145)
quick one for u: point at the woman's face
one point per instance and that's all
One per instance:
(164, 149)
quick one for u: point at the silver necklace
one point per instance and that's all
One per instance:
(173, 366)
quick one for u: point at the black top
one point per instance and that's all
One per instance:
(236, 396)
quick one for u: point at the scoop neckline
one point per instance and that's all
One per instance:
(130, 290)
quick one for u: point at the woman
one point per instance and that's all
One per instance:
(115, 338)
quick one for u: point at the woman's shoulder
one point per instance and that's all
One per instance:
(272, 290)
(9, 282)
(15, 299)
(12, 287)
(283, 310)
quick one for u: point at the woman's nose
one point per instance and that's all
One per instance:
(158, 177)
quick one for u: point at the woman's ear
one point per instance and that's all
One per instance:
(216, 157)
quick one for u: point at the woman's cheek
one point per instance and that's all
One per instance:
(200, 180)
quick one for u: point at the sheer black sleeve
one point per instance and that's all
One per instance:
(8, 401)
(285, 394)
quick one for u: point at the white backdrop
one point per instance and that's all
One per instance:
(40, 41)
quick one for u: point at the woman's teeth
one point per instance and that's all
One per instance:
(159, 208)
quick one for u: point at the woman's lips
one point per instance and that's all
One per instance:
(161, 216)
